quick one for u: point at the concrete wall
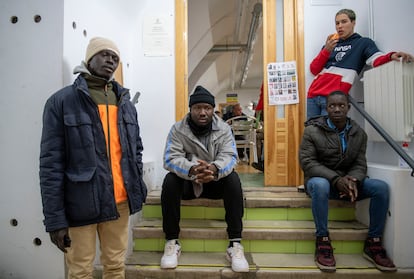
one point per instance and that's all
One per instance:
(399, 224)
(31, 55)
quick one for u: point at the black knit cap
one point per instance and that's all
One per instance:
(201, 95)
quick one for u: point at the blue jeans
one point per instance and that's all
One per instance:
(316, 106)
(320, 190)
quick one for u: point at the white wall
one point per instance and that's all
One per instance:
(154, 77)
(31, 54)
(399, 224)
(38, 59)
(391, 25)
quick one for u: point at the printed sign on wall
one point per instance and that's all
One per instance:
(282, 83)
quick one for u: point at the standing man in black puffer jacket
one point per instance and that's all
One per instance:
(91, 165)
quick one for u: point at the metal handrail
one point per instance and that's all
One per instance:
(384, 134)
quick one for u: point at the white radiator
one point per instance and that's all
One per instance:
(389, 99)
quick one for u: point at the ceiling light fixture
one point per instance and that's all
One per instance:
(255, 23)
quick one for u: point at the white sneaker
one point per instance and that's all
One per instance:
(172, 251)
(235, 255)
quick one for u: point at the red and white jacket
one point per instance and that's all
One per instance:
(338, 69)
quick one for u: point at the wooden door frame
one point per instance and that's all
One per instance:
(282, 135)
(181, 59)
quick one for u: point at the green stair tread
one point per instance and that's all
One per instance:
(252, 230)
(274, 197)
(265, 260)
(262, 265)
(140, 265)
(254, 224)
(220, 272)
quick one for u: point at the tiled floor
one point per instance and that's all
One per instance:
(249, 176)
(245, 168)
(252, 179)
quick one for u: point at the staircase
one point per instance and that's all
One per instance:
(278, 239)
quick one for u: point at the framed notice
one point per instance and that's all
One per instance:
(157, 36)
(282, 83)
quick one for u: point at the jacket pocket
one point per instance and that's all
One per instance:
(81, 194)
(78, 129)
(131, 127)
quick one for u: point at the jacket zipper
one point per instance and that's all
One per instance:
(108, 127)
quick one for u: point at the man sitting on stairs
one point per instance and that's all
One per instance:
(332, 156)
(200, 155)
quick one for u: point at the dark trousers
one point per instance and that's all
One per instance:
(175, 189)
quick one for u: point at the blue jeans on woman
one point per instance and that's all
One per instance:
(316, 106)
(320, 190)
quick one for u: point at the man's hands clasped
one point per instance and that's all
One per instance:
(204, 172)
(348, 187)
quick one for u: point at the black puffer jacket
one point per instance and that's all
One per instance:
(75, 177)
(320, 152)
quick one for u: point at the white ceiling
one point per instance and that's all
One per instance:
(224, 23)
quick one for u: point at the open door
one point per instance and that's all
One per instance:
(282, 133)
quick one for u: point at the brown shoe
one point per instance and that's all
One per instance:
(375, 252)
(324, 257)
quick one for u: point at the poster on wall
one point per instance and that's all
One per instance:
(231, 98)
(282, 83)
(157, 36)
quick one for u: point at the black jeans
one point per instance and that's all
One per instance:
(175, 189)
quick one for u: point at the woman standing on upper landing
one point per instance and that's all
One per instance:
(341, 60)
